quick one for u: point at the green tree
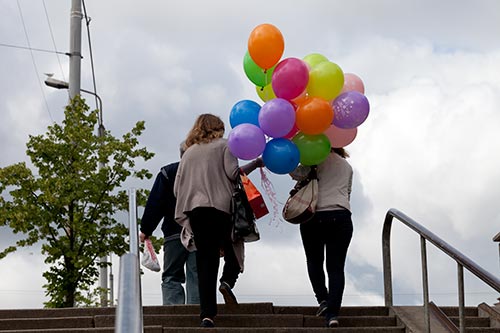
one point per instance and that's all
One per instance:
(69, 205)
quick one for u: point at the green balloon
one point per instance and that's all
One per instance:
(257, 75)
(313, 149)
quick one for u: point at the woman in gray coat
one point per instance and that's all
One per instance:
(203, 187)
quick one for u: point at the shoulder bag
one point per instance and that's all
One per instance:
(301, 204)
(243, 217)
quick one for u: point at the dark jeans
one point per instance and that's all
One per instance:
(212, 232)
(330, 230)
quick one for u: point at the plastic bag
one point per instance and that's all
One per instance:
(149, 258)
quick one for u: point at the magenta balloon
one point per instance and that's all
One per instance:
(246, 141)
(350, 109)
(290, 78)
(340, 137)
(277, 117)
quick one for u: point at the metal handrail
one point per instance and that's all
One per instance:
(129, 317)
(426, 235)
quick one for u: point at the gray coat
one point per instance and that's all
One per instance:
(205, 178)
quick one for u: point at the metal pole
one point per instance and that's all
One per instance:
(75, 48)
(386, 260)
(129, 310)
(461, 297)
(103, 271)
(133, 233)
(425, 281)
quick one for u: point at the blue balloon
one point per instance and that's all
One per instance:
(244, 112)
(281, 156)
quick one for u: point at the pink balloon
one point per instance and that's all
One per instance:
(290, 78)
(340, 137)
(352, 82)
(292, 132)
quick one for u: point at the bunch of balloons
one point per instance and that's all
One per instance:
(310, 105)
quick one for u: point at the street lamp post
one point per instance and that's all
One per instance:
(103, 283)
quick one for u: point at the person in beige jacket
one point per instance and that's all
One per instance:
(326, 237)
(204, 185)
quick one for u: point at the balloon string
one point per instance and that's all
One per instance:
(271, 194)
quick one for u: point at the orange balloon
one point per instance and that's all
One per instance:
(314, 115)
(266, 45)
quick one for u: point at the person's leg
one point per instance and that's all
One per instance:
(231, 268)
(340, 231)
(314, 248)
(193, 295)
(206, 237)
(174, 256)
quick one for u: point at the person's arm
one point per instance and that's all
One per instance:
(300, 173)
(154, 210)
(249, 167)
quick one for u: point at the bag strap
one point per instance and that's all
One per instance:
(313, 173)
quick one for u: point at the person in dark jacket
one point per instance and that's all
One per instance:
(161, 205)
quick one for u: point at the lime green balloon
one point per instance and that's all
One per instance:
(265, 93)
(257, 75)
(326, 80)
(313, 149)
(314, 58)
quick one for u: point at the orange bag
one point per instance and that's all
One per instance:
(254, 197)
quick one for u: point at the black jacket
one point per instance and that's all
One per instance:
(161, 205)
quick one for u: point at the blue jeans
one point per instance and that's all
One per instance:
(330, 232)
(175, 257)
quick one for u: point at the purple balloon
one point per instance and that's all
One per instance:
(246, 141)
(350, 109)
(277, 117)
(290, 78)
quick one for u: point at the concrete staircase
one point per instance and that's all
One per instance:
(243, 318)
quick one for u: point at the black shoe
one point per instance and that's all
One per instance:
(323, 306)
(227, 293)
(332, 322)
(207, 322)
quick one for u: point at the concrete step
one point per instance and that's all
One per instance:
(147, 329)
(258, 320)
(452, 311)
(472, 321)
(344, 311)
(159, 329)
(51, 313)
(46, 323)
(241, 318)
(286, 330)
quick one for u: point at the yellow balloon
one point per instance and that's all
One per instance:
(314, 58)
(326, 80)
(266, 93)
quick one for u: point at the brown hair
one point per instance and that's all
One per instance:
(341, 152)
(206, 128)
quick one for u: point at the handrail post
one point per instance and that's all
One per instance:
(461, 297)
(133, 233)
(129, 312)
(386, 259)
(425, 282)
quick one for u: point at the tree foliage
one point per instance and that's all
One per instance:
(69, 204)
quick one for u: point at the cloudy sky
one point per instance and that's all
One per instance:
(430, 146)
